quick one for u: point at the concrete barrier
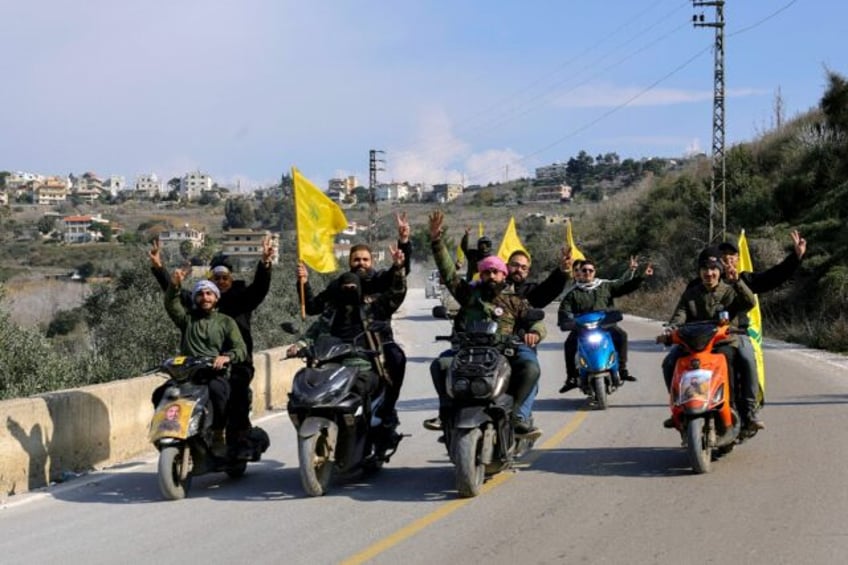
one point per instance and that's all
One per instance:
(45, 437)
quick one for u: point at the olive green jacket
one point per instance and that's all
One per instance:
(205, 334)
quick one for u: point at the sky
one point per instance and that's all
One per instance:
(452, 91)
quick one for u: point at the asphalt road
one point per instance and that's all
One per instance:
(600, 487)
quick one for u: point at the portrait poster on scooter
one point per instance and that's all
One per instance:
(171, 419)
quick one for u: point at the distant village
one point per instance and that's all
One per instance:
(57, 192)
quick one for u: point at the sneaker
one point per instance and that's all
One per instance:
(755, 423)
(433, 424)
(669, 423)
(626, 376)
(391, 421)
(570, 383)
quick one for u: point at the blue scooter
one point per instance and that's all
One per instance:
(597, 359)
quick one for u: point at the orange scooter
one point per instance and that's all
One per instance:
(702, 398)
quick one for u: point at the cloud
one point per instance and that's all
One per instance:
(437, 155)
(608, 96)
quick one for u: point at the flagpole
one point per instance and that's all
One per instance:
(301, 284)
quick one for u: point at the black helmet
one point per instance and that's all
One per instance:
(484, 243)
(708, 258)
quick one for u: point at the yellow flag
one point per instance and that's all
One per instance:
(480, 229)
(510, 242)
(576, 254)
(318, 220)
(460, 256)
(755, 318)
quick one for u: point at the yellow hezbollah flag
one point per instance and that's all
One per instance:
(460, 256)
(755, 319)
(576, 254)
(510, 242)
(318, 219)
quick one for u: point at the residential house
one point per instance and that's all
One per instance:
(243, 247)
(52, 190)
(87, 188)
(176, 236)
(147, 187)
(192, 185)
(446, 192)
(77, 229)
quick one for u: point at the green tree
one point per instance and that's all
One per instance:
(238, 213)
(46, 224)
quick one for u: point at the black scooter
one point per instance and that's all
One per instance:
(338, 430)
(180, 429)
(478, 432)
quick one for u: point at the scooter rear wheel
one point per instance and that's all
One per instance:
(169, 473)
(316, 466)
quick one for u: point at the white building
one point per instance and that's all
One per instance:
(114, 185)
(175, 237)
(147, 186)
(194, 184)
(20, 179)
(77, 229)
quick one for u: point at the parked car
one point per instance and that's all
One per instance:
(433, 286)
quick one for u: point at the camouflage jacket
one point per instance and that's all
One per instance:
(507, 308)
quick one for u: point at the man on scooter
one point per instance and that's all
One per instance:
(591, 294)
(538, 295)
(237, 300)
(372, 282)
(704, 301)
(349, 314)
(205, 332)
(489, 299)
(759, 282)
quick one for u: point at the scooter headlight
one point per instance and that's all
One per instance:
(479, 388)
(461, 386)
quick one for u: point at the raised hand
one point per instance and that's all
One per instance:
(178, 276)
(397, 256)
(267, 250)
(634, 262)
(799, 243)
(565, 259)
(437, 219)
(402, 226)
(154, 253)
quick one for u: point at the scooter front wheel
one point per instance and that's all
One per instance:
(697, 446)
(170, 473)
(470, 471)
(600, 389)
(316, 465)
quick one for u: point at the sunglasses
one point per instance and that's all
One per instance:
(520, 266)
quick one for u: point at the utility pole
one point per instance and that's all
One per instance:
(717, 183)
(373, 167)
